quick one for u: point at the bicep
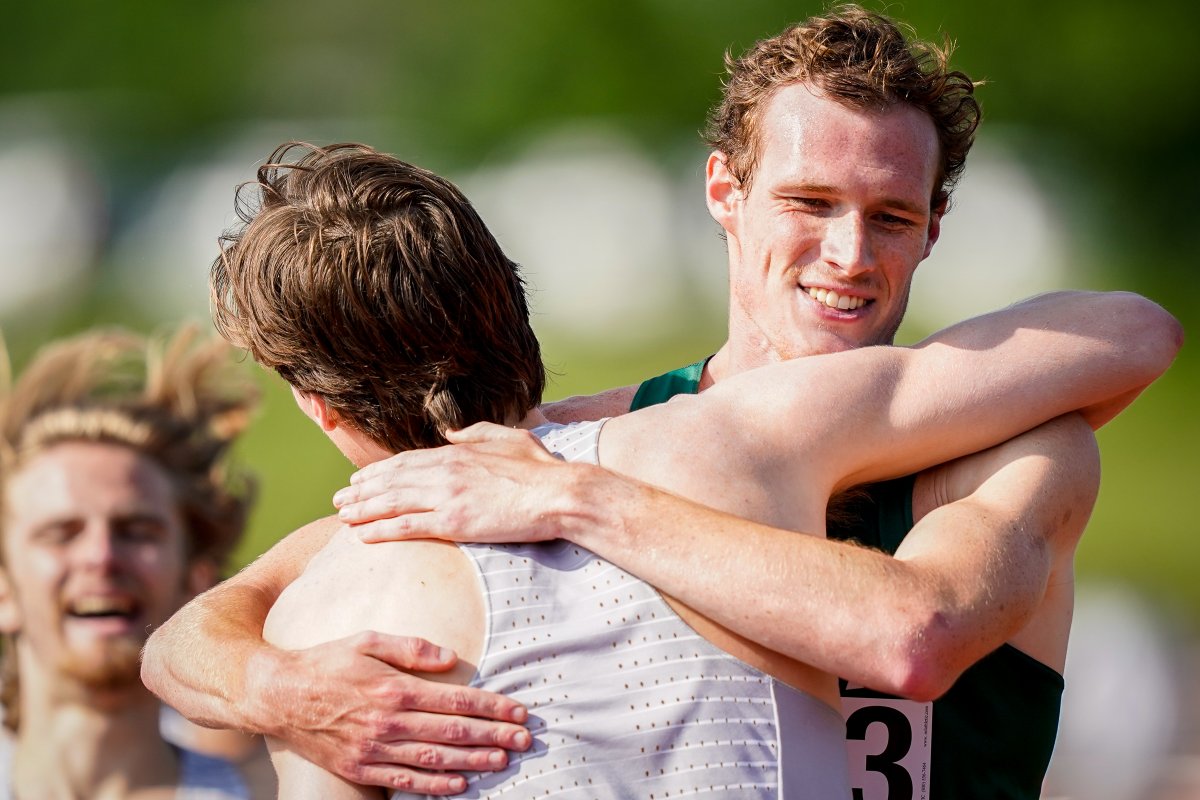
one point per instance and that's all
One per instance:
(1002, 519)
(1046, 479)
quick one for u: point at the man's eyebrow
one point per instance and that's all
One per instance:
(814, 188)
(905, 205)
(822, 188)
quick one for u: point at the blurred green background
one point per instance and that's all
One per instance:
(125, 126)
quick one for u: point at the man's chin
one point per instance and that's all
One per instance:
(113, 665)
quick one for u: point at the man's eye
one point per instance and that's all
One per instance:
(57, 533)
(812, 203)
(893, 221)
(141, 530)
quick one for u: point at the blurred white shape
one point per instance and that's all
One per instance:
(1120, 706)
(52, 221)
(698, 238)
(590, 218)
(1002, 241)
(161, 260)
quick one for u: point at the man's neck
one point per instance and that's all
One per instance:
(106, 748)
(533, 419)
(729, 361)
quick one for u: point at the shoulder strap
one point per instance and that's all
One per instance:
(684, 380)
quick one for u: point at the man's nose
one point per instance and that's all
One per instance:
(847, 246)
(96, 548)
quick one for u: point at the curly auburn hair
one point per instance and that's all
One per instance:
(856, 57)
(375, 285)
(178, 401)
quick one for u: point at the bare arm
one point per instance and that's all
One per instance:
(1129, 342)
(967, 577)
(342, 704)
(966, 388)
(608, 403)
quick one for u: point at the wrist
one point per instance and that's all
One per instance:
(263, 706)
(593, 503)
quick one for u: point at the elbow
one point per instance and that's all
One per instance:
(923, 678)
(1153, 331)
(149, 666)
(926, 661)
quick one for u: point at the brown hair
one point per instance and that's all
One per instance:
(180, 402)
(858, 58)
(374, 284)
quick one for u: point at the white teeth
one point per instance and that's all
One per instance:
(834, 300)
(87, 606)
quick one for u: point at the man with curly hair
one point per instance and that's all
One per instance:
(835, 150)
(117, 508)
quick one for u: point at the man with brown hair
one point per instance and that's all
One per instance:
(803, 141)
(846, 199)
(117, 508)
(349, 243)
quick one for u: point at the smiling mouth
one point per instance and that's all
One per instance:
(100, 607)
(831, 299)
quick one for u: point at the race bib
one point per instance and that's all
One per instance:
(889, 742)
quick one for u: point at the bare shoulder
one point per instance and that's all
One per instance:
(579, 408)
(419, 588)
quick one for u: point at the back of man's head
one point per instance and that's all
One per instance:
(375, 285)
(858, 58)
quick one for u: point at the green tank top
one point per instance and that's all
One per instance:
(989, 738)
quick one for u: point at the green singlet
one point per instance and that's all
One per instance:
(994, 730)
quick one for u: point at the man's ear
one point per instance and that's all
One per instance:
(935, 225)
(314, 407)
(10, 614)
(722, 191)
(201, 576)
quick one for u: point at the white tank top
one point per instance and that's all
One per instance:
(625, 699)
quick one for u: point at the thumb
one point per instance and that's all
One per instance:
(409, 652)
(481, 433)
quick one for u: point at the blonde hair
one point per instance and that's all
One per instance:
(176, 399)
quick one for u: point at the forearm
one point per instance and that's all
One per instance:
(813, 600)
(908, 626)
(202, 661)
(1123, 341)
(984, 381)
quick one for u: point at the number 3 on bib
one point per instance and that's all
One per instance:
(889, 743)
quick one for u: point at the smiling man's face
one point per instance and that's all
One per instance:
(824, 243)
(94, 559)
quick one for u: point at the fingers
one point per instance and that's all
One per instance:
(359, 505)
(417, 728)
(482, 432)
(401, 766)
(406, 652)
(413, 653)
(408, 780)
(382, 485)
(410, 526)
